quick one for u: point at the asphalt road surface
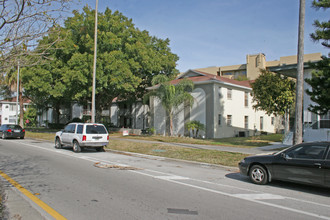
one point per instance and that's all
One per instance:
(59, 183)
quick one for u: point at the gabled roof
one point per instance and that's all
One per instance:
(198, 76)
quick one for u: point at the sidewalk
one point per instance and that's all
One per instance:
(19, 208)
(256, 150)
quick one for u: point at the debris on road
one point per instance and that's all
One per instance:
(105, 165)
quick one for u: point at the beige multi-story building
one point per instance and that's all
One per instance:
(251, 69)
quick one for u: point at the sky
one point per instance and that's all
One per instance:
(205, 33)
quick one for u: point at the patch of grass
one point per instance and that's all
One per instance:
(198, 155)
(255, 141)
(40, 135)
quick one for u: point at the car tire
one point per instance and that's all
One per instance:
(22, 137)
(100, 149)
(258, 175)
(76, 147)
(58, 144)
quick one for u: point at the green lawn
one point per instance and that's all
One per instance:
(198, 155)
(255, 141)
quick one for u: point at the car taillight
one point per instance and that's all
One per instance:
(84, 138)
(23, 130)
(108, 137)
(9, 130)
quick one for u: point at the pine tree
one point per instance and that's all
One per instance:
(320, 80)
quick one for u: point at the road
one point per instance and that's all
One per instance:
(94, 185)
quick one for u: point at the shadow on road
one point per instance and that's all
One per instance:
(322, 191)
(83, 150)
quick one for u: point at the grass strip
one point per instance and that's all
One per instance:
(243, 142)
(198, 155)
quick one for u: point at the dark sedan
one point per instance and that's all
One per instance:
(307, 163)
(11, 131)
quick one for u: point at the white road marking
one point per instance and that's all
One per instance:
(174, 179)
(262, 196)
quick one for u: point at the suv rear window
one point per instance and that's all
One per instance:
(95, 129)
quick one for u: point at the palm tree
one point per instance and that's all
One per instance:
(195, 127)
(172, 96)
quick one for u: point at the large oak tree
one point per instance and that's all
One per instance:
(274, 94)
(127, 60)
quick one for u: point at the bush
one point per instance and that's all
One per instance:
(76, 120)
(151, 131)
(56, 125)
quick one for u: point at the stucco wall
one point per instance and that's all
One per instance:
(198, 110)
(159, 119)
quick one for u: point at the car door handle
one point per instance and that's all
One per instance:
(318, 165)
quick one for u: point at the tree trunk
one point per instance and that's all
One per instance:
(57, 112)
(300, 76)
(171, 124)
(286, 123)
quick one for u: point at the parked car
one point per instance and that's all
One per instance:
(81, 135)
(307, 163)
(12, 131)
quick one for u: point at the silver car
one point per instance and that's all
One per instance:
(81, 135)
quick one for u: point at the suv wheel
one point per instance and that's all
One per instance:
(58, 144)
(76, 147)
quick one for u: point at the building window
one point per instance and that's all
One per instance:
(12, 119)
(246, 99)
(12, 108)
(229, 120)
(272, 120)
(261, 123)
(229, 93)
(219, 119)
(246, 122)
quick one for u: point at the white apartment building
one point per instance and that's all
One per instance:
(223, 105)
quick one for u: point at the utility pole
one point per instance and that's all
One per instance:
(297, 137)
(94, 65)
(17, 94)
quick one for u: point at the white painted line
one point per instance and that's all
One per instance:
(262, 196)
(172, 177)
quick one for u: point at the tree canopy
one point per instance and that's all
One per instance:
(127, 60)
(320, 80)
(273, 93)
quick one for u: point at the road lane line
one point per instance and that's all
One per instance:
(33, 198)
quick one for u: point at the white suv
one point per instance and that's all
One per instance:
(80, 135)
